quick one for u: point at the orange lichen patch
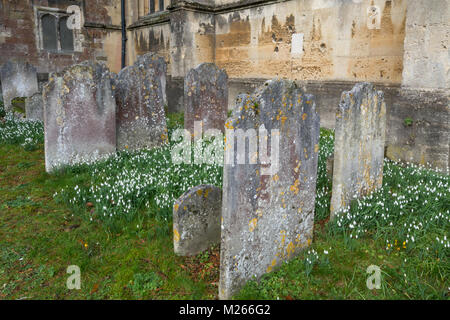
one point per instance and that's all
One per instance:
(316, 148)
(252, 224)
(229, 125)
(298, 166)
(304, 116)
(295, 187)
(273, 264)
(290, 249)
(275, 177)
(199, 192)
(176, 235)
(175, 207)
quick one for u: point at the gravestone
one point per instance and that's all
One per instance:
(358, 146)
(268, 215)
(139, 92)
(196, 220)
(157, 63)
(79, 115)
(205, 97)
(34, 107)
(18, 79)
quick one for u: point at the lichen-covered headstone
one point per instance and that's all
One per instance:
(19, 79)
(79, 115)
(268, 218)
(139, 92)
(205, 97)
(34, 107)
(196, 220)
(359, 145)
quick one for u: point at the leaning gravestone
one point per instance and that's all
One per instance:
(34, 107)
(359, 145)
(205, 97)
(19, 79)
(268, 215)
(139, 92)
(196, 220)
(79, 115)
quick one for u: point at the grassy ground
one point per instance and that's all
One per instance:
(113, 220)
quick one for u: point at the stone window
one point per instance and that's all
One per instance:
(152, 6)
(53, 33)
(161, 5)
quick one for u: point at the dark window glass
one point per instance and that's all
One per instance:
(65, 35)
(49, 36)
(161, 5)
(152, 6)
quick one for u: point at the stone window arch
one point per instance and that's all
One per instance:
(49, 34)
(65, 35)
(53, 33)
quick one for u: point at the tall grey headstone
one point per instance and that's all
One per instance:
(205, 97)
(34, 107)
(19, 79)
(268, 215)
(79, 115)
(196, 220)
(139, 92)
(359, 145)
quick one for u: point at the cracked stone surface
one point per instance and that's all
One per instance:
(359, 145)
(18, 79)
(205, 97)
(268, 219)
(196, 220)
(140, 96)
(79, 115)
(34, 107)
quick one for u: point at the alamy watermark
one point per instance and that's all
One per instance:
(74, 280)
(374, 280)
(236, 147)
(75, 19)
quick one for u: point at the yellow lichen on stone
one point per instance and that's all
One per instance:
(290, 249)
(176, 235)
(274, 262)
(252, 224)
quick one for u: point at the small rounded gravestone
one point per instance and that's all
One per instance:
(196, 220)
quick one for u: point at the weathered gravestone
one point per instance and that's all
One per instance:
(359, 145)
(79, 115)
(196, 220)
(268, 215)
(205, 97)
(34, 107)
(139, 92)
(19, 79)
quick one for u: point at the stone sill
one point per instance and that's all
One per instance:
(151, 19)
(222, 8)
(94, 25)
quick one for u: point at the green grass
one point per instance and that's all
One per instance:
(113, 220)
